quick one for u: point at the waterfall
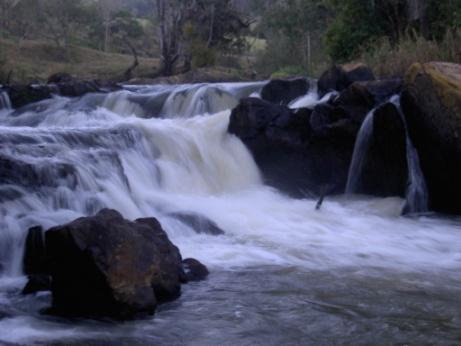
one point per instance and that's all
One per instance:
(416, 194)
(417, 200)
(362, 144)
(4, 101)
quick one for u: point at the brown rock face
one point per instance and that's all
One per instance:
(105, 265)
(431, 100)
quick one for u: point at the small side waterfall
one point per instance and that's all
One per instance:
(362, 144)
(417, 200)
(5, 102)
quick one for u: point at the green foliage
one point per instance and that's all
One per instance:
(360, 23)
(353, 26)
(388, 60)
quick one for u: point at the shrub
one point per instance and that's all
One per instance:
(388, 60)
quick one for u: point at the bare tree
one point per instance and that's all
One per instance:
(170, 14)
(108, 9)
(5, 8)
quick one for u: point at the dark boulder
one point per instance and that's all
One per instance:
(282, 92)
(37, 283)
(384, 170)
(198, 223)
(347, 111)
(291, 156)
(194, 270)
(34, 260)
(21, 95)
(339, 77)
(382, 90)
(105, 265)
(431, 101)
(67, 85)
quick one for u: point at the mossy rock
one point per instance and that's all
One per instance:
(431, 100)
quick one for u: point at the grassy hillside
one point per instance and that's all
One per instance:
(36, 61)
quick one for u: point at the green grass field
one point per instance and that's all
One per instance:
(36, 61)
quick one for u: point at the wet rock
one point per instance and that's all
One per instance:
(37, 283)
(384, 171)
(198, 223)
(339, 77)
(194, 270)
(67, 85)
(282, 92)
(105, 265)
(21, 95)
(291, 156)
(431, 101)
(15, 171)
(34, 260)
(382, 90)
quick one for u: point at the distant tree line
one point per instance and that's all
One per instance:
(184, 33)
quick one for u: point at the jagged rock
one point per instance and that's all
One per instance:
(431, 101)
(339, 77)
(291, 156)
(105, 265)
(282, 92)
(198, 223)
(194, 270)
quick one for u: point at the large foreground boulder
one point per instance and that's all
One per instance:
(105, 265)
(282, 92)
(431, 100)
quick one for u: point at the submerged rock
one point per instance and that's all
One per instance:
(105, 265)
(194, 270)
(431, 101)
(198, 223)
(339, 77)
(282, 92)
(34, 260)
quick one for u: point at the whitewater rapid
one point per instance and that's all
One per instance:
(111, 151)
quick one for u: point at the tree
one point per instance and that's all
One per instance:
(62, 19)
(6, 6)
(108, 9)
(189, 28)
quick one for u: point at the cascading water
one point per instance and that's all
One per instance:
(5, 103)
(362, 144)
(416, 194)
(417, 200)
(355, 270)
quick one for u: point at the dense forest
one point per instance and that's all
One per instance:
(252, 38)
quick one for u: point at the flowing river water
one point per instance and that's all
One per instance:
(354, 272)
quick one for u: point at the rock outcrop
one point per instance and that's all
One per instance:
(106, 266)
(339, 77)
(308, 152)
(291, 156)
(282, 92)
(431, 101)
